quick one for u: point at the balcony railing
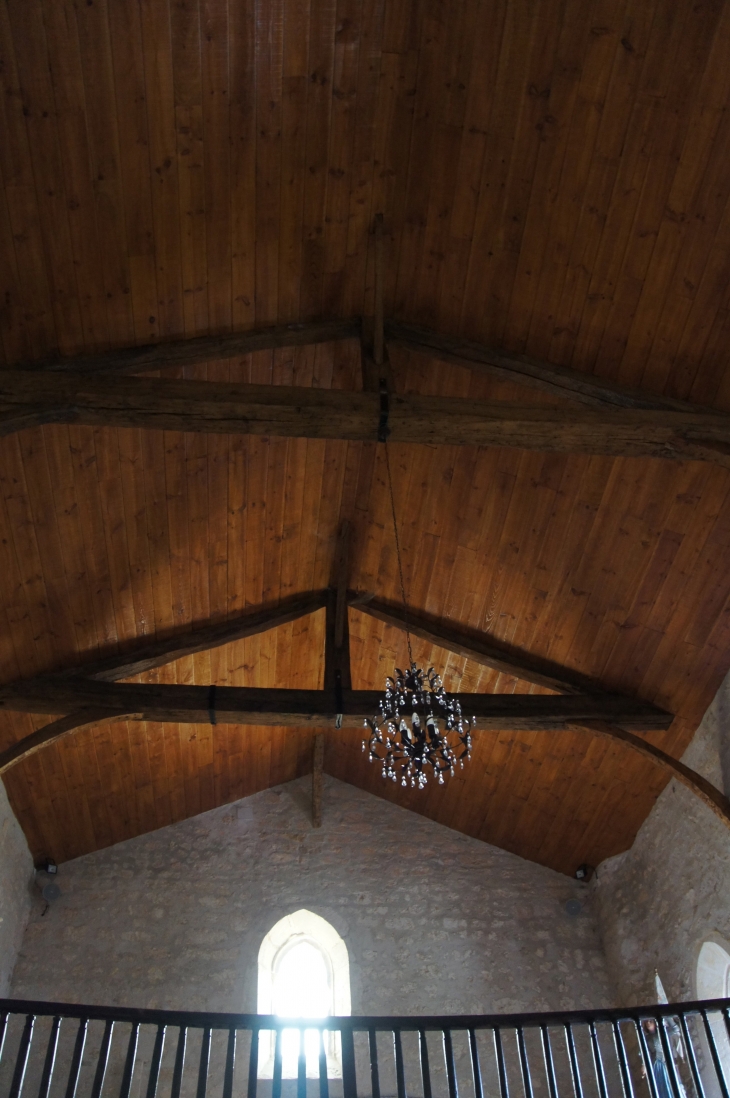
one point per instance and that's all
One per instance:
(57, 1050)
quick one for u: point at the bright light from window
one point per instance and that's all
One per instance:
(301, 990)
(301, 983)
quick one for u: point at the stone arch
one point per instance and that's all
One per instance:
(303, 927)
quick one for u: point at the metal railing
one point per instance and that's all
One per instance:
(59, 1050)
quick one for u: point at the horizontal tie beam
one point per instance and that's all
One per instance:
(244, 705)
(29, 399)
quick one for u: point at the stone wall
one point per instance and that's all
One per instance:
(16, 885)
(434, 922)
(659, 901)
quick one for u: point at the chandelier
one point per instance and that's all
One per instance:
(419, 728)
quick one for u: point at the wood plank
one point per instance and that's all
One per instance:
(252, 705)
(188, 352)
(149, 654)
(51, 733)
(480, 648)
(317, 779)
(558, 381)
(706, 791)
(209, 407)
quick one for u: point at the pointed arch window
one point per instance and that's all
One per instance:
(304, 972)
(713, 982)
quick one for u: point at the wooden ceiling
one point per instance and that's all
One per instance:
(554, 180)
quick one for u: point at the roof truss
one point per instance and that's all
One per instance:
(91, 693)
(601, 418)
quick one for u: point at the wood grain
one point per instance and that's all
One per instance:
(289, 411)
(706, 791)
(557, 381)
(282, 707)
(473, 647)
(179, 353)
(554, 185)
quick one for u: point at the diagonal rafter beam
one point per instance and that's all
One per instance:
(558, 381)
(145, 655)
(290, 411)
(706, 791)
(528, 668)
(190, 352)
(477, 647)
(56, 730)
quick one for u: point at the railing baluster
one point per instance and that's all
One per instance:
(253, 1063)
(450, 1066)
(3, 1031)
(324, 1086)
(525, 1065)
(715, 1055)
(549, 1063)
(662, 1034)
(154, 1076)
(675, 1083)
(21, 1062)
(276, 1081)
(425, 1066)
(598, 1061)
(400, 1071)
(130, 1061)
(374, 1069)
(203, 1064)
(302, 1066)
(102, 1059)
(646, 1057)
(75, 1070)
(476, 1070)
(573, 1057)
(349, 1074)
(623, 1063)
(692, 1056)
(177, 1071)
(501, 1067)
(230, 1064)
(50, 1060)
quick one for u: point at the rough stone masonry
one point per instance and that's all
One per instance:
(434, 922)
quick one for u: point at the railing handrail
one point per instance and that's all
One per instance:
(218, 1020)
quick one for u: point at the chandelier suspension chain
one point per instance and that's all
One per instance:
(419, 730)
(398, 554)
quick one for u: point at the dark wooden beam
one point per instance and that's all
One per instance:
(558, 381)
(317, 779)
(706, 791)
(337, 676)
(247, 705)
(212, 408)
(477, 647)
(341, 578)
(51, 733)
(144, 655)
(189, 352)
(378, 326)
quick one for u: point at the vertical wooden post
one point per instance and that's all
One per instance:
(378, 337)
(317, 779)
(342, 576)
(375, 366)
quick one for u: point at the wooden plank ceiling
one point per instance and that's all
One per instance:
(554, 180)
